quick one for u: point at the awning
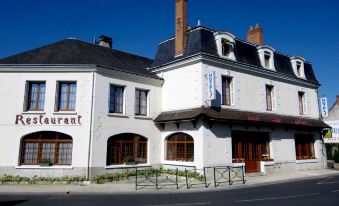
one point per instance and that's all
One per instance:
(236, 116)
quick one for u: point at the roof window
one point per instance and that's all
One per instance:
(298, 66)
(266, 56)
(225, 45)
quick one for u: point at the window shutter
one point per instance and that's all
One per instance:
(237, 93)
(56, 104)
(26, 96)
(305, 103)
(296, 101)
(232, 92)
(274, 99)
(263, 96)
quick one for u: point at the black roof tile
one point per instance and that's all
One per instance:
(201, 40)
(73, 51)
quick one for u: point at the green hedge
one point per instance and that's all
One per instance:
(34, 180)
(112, 177)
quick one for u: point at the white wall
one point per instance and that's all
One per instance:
(250, 93)
(182, 87)
(106, 125)
(12, 92)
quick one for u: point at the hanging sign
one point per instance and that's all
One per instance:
(333, 135)
(323, 107)
(211, 86)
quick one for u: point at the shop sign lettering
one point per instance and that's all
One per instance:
(44, 120)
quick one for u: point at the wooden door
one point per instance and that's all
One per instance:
(251, 154)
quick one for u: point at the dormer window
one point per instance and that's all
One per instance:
(298, 66)
(225, 44)
(266, 56)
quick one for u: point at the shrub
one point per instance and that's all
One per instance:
(336, 156)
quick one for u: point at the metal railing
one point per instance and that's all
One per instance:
(196, 177)
(228, 174)
(160, 178)
(156, 178)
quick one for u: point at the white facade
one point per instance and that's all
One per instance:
(182, 87)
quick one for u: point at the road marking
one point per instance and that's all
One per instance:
(335, 191)
(183, 204)
(322, 183)
(277, 198)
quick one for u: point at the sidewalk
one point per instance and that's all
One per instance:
(129, 186)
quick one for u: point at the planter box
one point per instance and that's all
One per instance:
(45, 164)
(129, 163)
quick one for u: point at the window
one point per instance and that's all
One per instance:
(126, 145)
(116, 94)
(299, 69)
(298, 66)
(140, 102)
(67, 96)
(270, 98)
(36, 96)
(53, 146)
(302, 103)
(180, 147)
(227, 91)
(226, 47)
(267, 59)
(304, 147)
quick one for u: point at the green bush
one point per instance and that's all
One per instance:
(47, 180)
(336, 156)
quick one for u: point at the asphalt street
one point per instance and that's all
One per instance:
(316, 191)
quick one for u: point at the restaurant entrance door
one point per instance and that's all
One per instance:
(251, 148)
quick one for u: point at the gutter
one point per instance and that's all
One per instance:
(90, 131)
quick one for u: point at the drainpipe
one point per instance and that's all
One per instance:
(323, 148)
(90, 131)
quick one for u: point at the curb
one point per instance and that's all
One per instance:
(166, 191)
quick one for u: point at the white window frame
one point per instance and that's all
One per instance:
(273, 97)
(304, 103)
(295, 61)
(261, 52)
(232, 91)
(219, 37)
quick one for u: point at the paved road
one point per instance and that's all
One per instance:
(317, 191)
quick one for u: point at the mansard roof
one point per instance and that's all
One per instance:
(77, 52)
(201, 40)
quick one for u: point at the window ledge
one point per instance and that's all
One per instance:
(179, 163)
(143, 117)
(239, 164)
(33, 112)
(65, 113)
(40, 167)
(117, 115)
(307, 161)
(267, 163)
(122, 166)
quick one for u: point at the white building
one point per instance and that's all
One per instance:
(207, 99)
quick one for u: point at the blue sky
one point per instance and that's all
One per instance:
(306, 28)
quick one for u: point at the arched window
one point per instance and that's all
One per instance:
(121, 146)
(52, 147)
(180, 147)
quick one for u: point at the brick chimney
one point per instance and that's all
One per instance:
(337, 101)
(255, 35)
(180, 26)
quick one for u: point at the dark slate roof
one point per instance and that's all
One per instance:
(73, 51)
(201, 40)
(235, 116)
